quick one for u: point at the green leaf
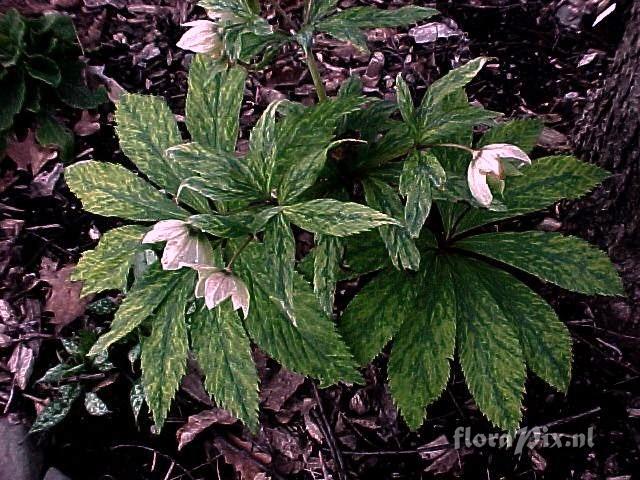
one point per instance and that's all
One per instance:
(397, 142)
(143, 299)
(546, 181)
(320, 9)
(146, 129)
(488, 349)
(12, 97)
(12, 30)
(213, 104)
(223, 351)
(449, 84)
(241, 8)
(419, 171)
(401, 248)
(568, 262)
(113, 191)
(332, 217)
(94, 405)
(405, 103)
(57, 409)
(107, 266)
(313, 347)
(43, 69)
(372, 17)
(280, 246)
(419, 361)
(52, 133)
(164, 353)
(233, 225)
(136, 399)
(328, 253)
(302, 140)
(545, 340)
(522, 133)
(376, 314)
(77, 95)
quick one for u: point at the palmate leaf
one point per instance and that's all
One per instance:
(113, 191)
(321, 8)
(312, 347)
(405, 103)
(376, 314)
(331, 217)
(303, 138)
(57, 409)
(327, 256)
(489, 350)
(348, 24)
(147, 294)
(223, 351)
(452, 82)
(363, 253)
(568, 262)
(107, 266)
(234, 225)
(401, 248)
(163, 358)
(545, 340)
(546, 181)
(280, 247)
(522, 133)
(213, 103)
(146, 129)
(424, 345)
(420, 170)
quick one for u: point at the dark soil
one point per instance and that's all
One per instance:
(357, 432)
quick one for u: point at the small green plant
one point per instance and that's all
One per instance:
(39, 71)
(341, 169)
(69, 378)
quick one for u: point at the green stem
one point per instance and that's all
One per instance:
(452, 145)
(237, 253)
(315, 73)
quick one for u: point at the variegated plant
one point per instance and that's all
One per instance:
(227, 275)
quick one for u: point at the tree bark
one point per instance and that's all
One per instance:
(609, 135)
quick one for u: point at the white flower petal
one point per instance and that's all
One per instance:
(240, 298)
(218, 287)
(478, 185)
(165, 230)
(202, 37)
(505, 150)
(172, 254)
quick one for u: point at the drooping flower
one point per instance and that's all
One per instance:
(488, 161)
(202, 37)
(183, 248)
(216, 285)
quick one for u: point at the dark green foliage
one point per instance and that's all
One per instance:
(39, 72)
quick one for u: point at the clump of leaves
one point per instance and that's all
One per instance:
(68, 379)
(39, 72)
(443, 282)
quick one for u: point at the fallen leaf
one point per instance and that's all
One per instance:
(88, 124)
(279, 388)
(64, 300)
(28, 154)
(250, 464)
(430, 32)
(21, 365)
(198, 423)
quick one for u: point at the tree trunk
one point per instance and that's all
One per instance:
(609, 135)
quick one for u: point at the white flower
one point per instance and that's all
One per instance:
(183, 248)
(202, 37)
(216, 285)
(488, 161)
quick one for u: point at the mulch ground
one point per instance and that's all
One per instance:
(548, 57)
